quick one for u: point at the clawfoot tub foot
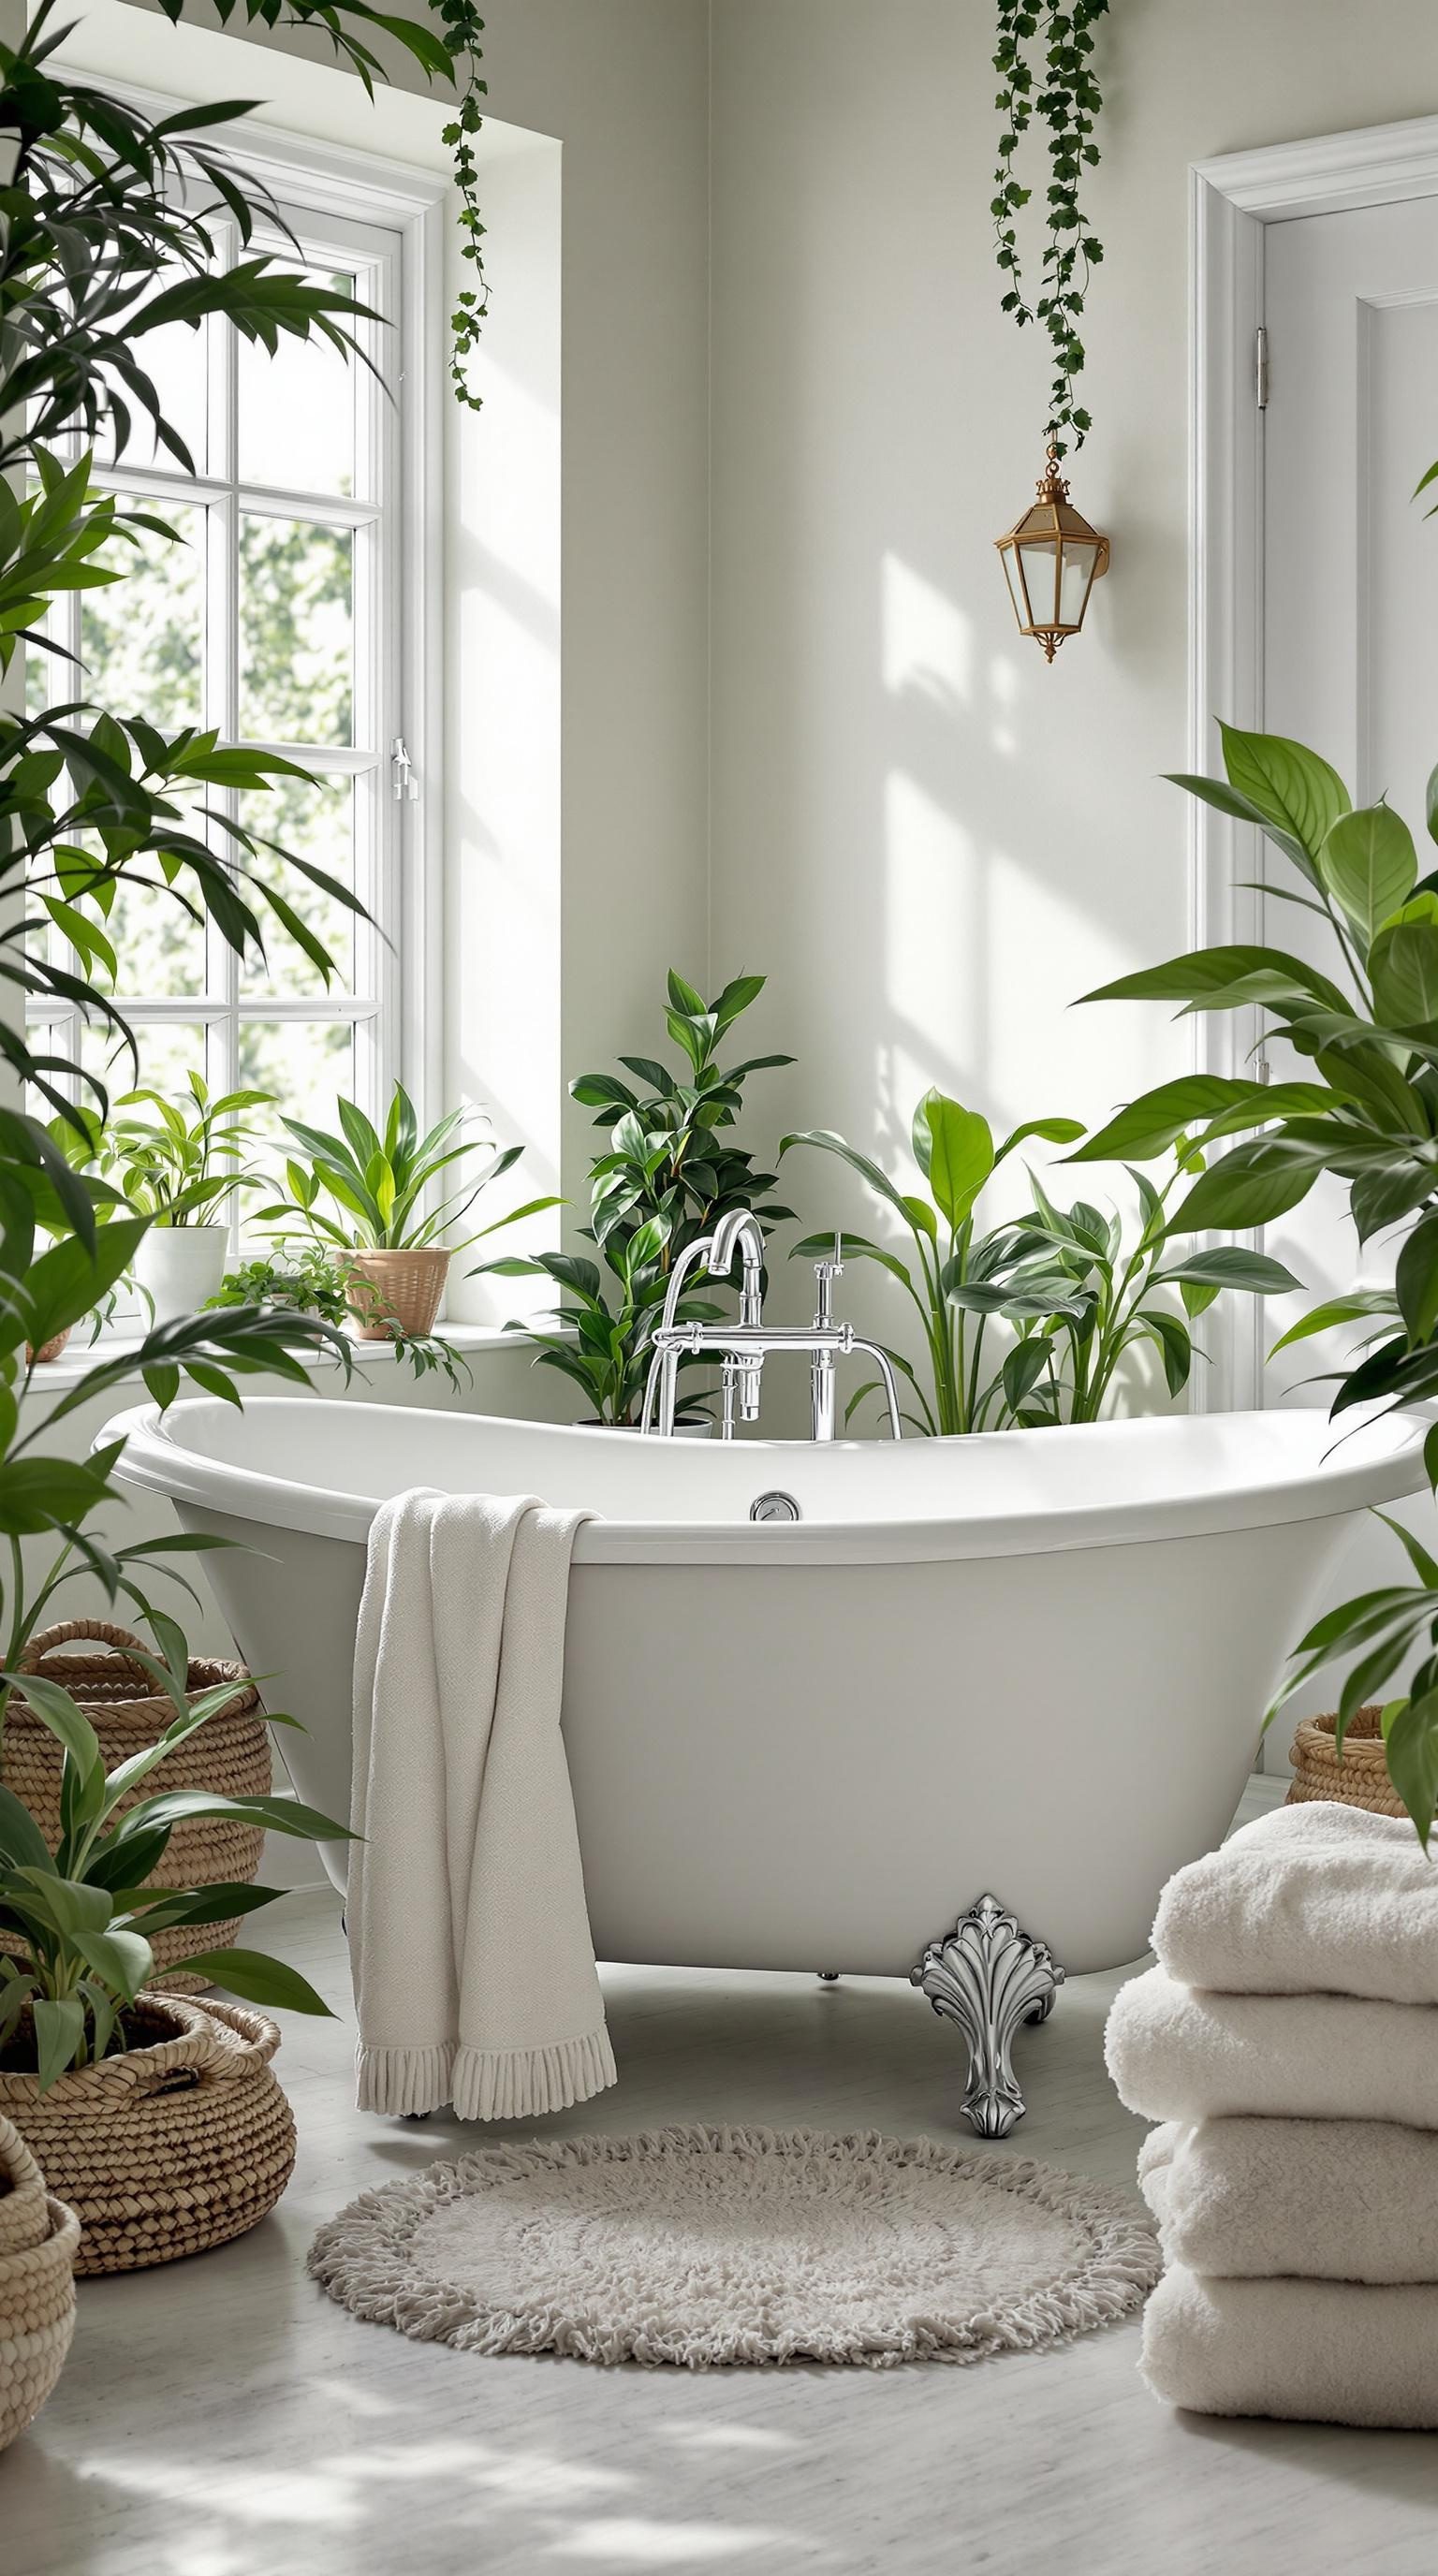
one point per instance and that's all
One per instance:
(989, 1976)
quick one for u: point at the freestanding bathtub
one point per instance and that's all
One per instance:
(1032, 1663)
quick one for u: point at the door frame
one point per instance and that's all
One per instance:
(1232, 200)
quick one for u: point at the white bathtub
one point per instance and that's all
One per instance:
(1034, 1663)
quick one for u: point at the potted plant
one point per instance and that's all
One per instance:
(181, 1171)
(382, 1220)
(1364, 1111)
(669, 1172)
(155, 2118)
(301, 1279)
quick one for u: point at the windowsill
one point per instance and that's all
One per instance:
(76, 1361)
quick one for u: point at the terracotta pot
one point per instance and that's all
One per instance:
(39, 2239)
(48, 1350)
(393, 1292)
(181, 2143)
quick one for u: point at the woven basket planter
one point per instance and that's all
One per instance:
(39, 2240)
(391, 1292)
(1358, 1779)
(229, 1754)
(180, 2144)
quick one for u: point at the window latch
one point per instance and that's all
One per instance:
(402, 771)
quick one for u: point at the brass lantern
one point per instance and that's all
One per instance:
(1052, 560)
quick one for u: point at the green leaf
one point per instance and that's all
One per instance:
(259, 1979)
(1054, 1131)
(1214, 978)
(1368, 864)
(1149, 1126)
(1334, 1311)
(1403, 965)
(954, 1148)
(1231, 1265)
(123, 1959)
(1412, 1747)
(868, 1170)
(1295, 791)
(64, 1717)
(59, 2034)
(1416, 1280)
(1248, 1187)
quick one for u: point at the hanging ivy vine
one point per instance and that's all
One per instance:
(1066, 98)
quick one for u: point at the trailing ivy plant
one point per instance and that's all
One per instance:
(1068, 102)
(1366, 1112)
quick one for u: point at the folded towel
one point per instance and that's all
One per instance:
(1331, 2200)
(1311, 1899)
(1177, 2055)
(1325, 2352)
(469, 1940)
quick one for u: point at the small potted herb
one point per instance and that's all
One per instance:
(181, 1172)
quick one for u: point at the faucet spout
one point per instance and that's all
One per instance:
(740, 1231)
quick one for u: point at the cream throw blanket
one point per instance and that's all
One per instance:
(1336, 2200)
(1312, 1898)
(469, 1940)
(1327, 2352)
(1176, 2055)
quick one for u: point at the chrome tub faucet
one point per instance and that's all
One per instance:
(742, 1348)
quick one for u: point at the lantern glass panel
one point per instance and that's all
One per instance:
(1013, 576)
(1041, 579)
(1076, 579)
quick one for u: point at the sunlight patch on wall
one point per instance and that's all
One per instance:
(927, 642)
(933, 937)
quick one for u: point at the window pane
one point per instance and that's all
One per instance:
(169, 1051)
(142, 640)
(159, 950)
(297, 409)
(317, 824)
(176, 359)
(305, 1063)
(296, 640)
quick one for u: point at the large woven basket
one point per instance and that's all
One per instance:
(180, 2144)
(39, 2238)
(1356, 1778)
(229, 1754)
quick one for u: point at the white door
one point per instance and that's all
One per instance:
(1350, 576)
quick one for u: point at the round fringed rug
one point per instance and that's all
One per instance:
(708, 2246)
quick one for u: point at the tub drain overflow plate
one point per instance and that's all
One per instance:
(774, 1506)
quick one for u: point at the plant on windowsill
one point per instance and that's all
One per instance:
(304, 1281)
(1367, 1113)
(1074, 1294)
(183, 1172)
(372, 1199)
(670, 1172)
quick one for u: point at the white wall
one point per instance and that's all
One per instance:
(933, 841)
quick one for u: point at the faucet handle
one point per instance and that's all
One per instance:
(825, 1274)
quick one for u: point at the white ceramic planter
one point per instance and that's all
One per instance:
(180, 1266)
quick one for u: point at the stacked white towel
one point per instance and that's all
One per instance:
(1288, 2043)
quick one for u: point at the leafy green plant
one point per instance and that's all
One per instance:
(306, 1282)
(85, 1913)
(176, 1169)
(1125, 1288)
(377, 1187)
(1068, 102)
(671, 1171)
(959, 1280)
(1366, 1112)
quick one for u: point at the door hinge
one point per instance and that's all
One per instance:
(1260, 366)
(402, 772)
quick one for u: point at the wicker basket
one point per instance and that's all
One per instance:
(391, 1292)
(39, 2239)
(181, 2143)
(230, 1754)
(1356, 1778)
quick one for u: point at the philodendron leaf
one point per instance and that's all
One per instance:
(59, 2031)
(259, 1979)
(1293, 789)
(1404, 966)
(1410, 1729)
(954, 1149)
(1369, 864)
(1249, 1187)
(1230, 1265)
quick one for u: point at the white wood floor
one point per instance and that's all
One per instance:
(221, 2418)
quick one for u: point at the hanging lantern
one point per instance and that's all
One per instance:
(1052, 560)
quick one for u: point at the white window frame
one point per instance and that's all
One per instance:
(390, 218)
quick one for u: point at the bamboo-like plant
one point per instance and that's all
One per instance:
(379, 1188)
